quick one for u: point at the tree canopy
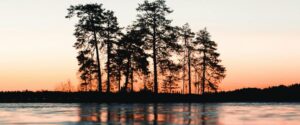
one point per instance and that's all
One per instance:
(150, 51)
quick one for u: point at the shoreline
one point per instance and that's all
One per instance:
(280, 93)
(138, 97)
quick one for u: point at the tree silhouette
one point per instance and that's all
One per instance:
(151, 35)
(117, 65)
(212, 71)
(91, 17)
(160, 37)
(110, 33)
(131, 52)
(187, 35)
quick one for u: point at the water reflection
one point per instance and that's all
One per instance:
(170, 113)
(187, 113)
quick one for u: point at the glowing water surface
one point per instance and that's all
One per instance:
(144, 113)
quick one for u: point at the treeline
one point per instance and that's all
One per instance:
(281, 93)
(150, 51)
(272, 94)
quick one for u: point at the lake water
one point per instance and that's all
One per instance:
(172, 113)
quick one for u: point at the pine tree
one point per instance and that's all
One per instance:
(134, 57)
(187, 35)
(110, 34)
(91, 17)
(160, 37)
(212, 71)
(117, 65)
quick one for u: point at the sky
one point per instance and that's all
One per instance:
(259, 40)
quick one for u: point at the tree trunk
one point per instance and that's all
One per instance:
(183, 72)
(155, 69)
(108, 69)
(131, 78)
(108, 61)
(119, 79)
(154, 57)
(198, 80)
(203, 72)
(189, 72)
(127, 73)
(98, 63)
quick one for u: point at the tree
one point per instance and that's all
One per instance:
(160, 36)
(111, 31)
(187, 35)
(117, 65)
(212, 71)
(91, 17)
(131, 52)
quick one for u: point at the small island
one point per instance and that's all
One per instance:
(150, 53)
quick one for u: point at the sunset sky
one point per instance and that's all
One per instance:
(259, 40)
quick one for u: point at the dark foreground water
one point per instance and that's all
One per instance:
(172, 113)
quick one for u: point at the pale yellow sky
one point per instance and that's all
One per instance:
(258, 39)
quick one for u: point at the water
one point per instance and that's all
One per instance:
(172, 113)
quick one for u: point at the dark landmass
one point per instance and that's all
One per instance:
(272, 94)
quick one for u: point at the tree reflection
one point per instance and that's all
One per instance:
(203, 115)
(180, 113)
